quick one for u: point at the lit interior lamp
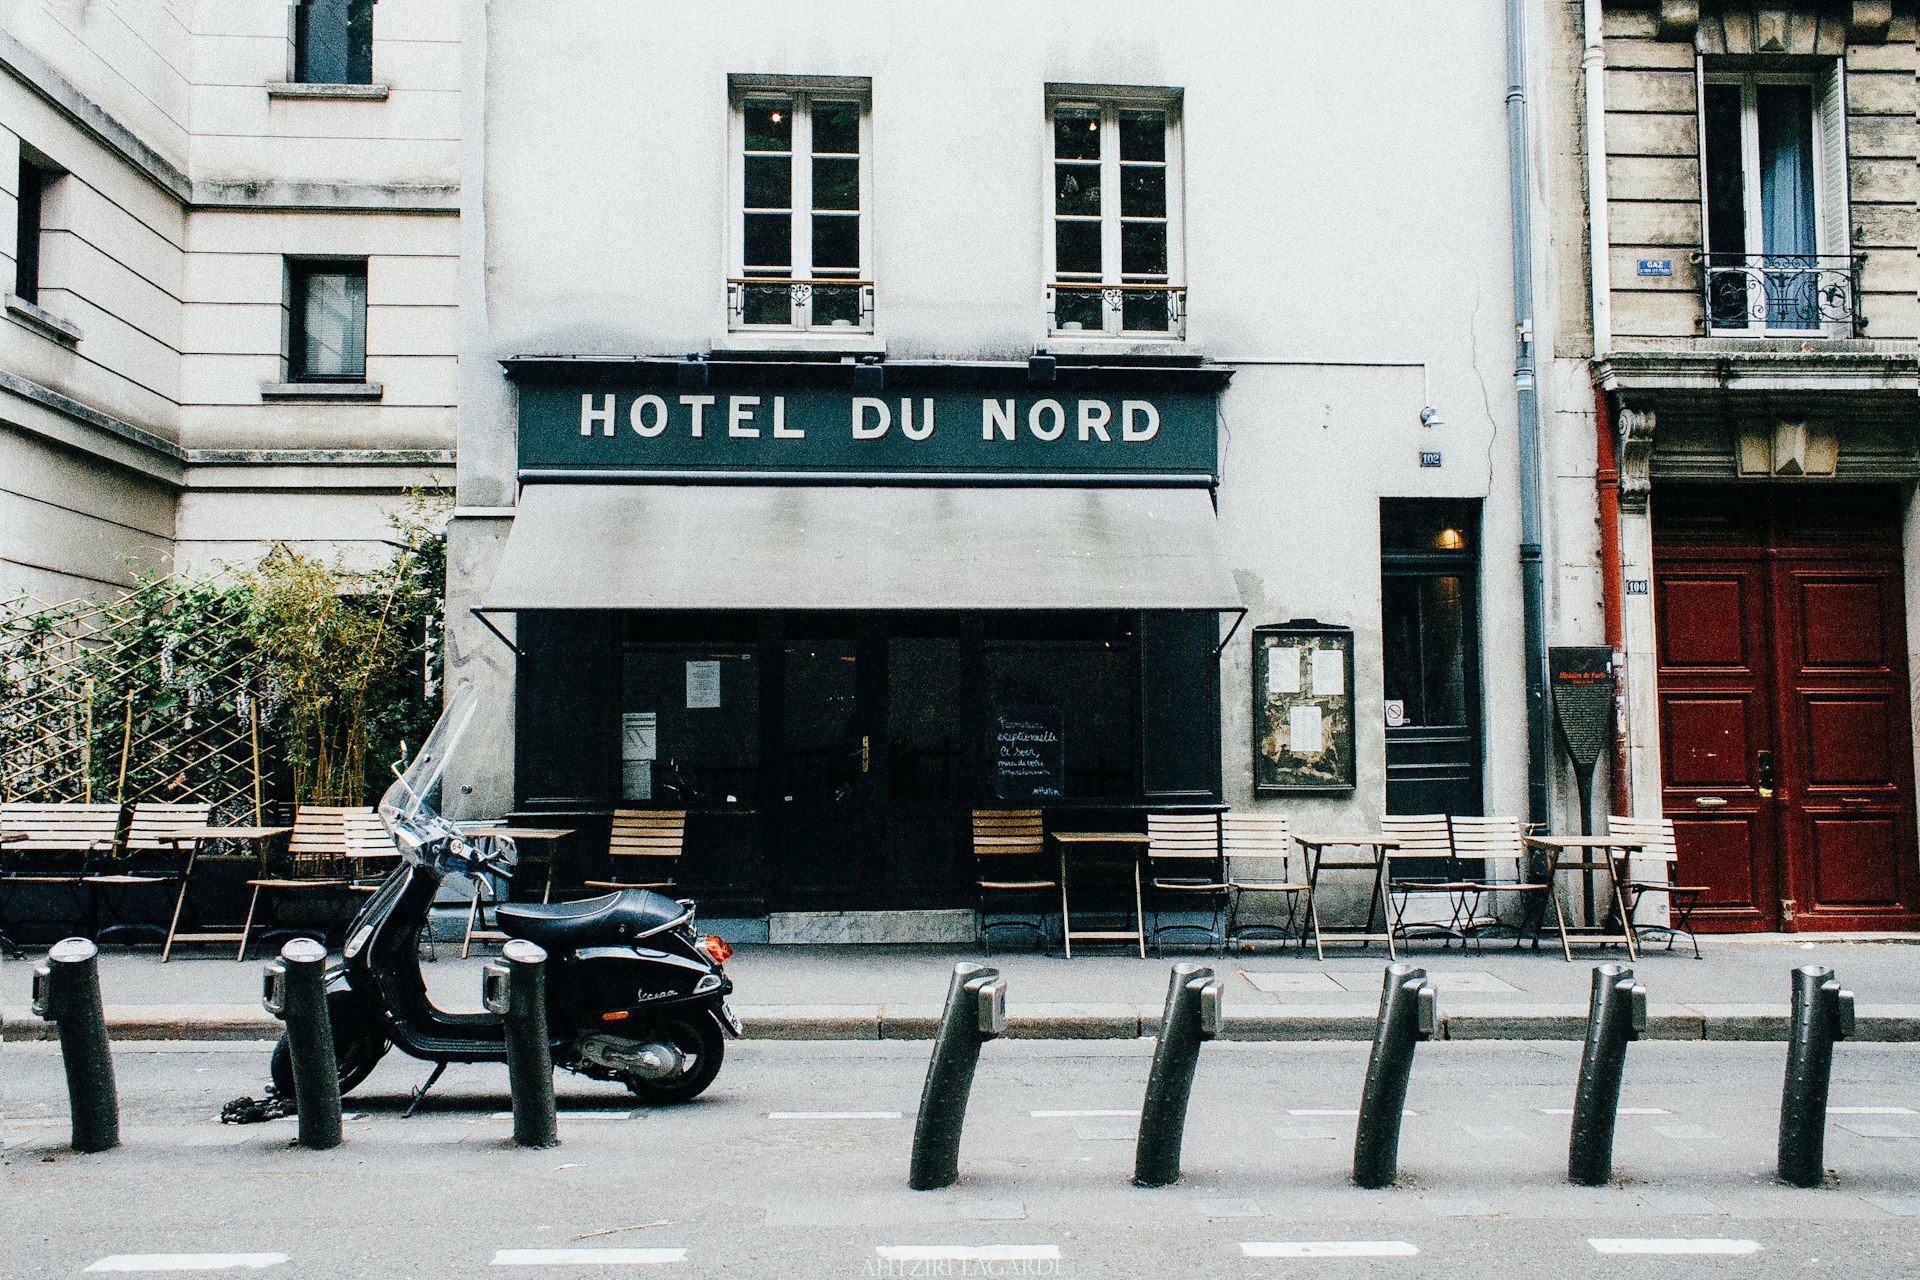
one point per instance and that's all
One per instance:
(776, 117)
(1449, 539)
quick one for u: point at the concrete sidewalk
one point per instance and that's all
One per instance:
(1738, 992)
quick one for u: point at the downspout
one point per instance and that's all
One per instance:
(1527, 395)
(1606, 475)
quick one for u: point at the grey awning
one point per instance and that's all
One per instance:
(640, 546)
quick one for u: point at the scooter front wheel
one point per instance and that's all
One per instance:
(355, 1058)
(699, 1039)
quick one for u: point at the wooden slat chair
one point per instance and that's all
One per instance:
(1659, 852)
(1257, 850)
(153, 856)
(1010, 866)
(62, 843)
(643, 848)
(1422, 864)
(1498, 844)
(1184, 867)
(325, 856)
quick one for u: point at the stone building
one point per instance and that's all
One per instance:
(230, 263)
(1750, 330)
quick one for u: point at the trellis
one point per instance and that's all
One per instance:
(157, 694)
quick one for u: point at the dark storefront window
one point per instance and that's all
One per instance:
(1073, 674)
(1429, 615)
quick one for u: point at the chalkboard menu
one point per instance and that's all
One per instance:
(1029, 756)
(1302, 708)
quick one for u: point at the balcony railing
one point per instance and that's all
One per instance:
(1782, 293)
(805, 305)
(1144, 310)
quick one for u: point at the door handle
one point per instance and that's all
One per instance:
(1709, 802)
(1763, 765)
(866, 752)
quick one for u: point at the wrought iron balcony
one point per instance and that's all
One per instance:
(1143, 310)
(808, 305)
(1782, 292)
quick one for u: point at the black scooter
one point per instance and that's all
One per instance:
(633, 994)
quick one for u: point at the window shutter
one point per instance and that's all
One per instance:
(1830, 112)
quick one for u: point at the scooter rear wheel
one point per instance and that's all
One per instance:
(356, 1060)
(697, 1037)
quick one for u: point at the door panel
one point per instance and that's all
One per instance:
(1781, 626)
(825, 849)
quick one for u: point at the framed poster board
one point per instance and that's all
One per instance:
(1302, 708)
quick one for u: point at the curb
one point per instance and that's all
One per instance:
(1893, 1024)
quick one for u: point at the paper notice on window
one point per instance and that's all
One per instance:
(1329, 672)
(703, 684)
(640, 736)
(636, 780)
(1283, 669)
(1303, 731)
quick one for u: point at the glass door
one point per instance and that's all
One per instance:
(1429, 607)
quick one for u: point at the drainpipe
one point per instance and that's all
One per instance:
(1606, 477)
(1526, 392)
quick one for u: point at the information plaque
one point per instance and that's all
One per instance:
(1303, 708)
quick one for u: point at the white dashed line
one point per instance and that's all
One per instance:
(586, 1257)
(571, 1115)
(1335, 1111)
(1693, 1246)
(1623, 1111)
(968, 1253)
(1086, 1115)
(833, 1115)
(1870, 1111)
(1327, 1249)
(188, 1261)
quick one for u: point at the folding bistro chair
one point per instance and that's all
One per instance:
(1421, 864)
(154, 855)
(643, 847)
(1184, 866)
(1658, 846)
(321, 863)
(1258, 852)
(62, 843)
(1498, 844)
(1010, 864)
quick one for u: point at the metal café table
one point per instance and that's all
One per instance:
(257, 836)
(1136, 843)
(1601, 853)
(1370, 855)
(547, 836)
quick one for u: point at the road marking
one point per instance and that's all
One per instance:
(571, 1115)
(968, 1253)
(586, 1257)
(833, 1115)
(1622, 1111)
(1327, 1249)
(1870, 1111)
(1336, 1111)
(188, 1261)
(1123, 1114)
(1707, 1245)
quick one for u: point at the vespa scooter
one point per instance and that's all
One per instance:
(633, 994)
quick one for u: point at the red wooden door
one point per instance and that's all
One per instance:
(1785, 737)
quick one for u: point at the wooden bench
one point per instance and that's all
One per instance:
(58, 845)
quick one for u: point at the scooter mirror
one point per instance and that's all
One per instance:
(399, 766)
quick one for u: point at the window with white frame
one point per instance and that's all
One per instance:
(1778, 257)
(803, 234)
(1115, 248)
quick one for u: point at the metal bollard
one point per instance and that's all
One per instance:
(66, 992)
(1192, 1015)
(976, 1012)
(1822, 1014)
(296, 993)
(515, 987)
(1616, 1014)
(1408, 1014)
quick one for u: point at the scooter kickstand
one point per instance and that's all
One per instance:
(420, 1094)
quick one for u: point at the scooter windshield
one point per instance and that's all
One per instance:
(411, 807)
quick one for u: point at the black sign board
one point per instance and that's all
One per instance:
(1030, 760)
(1583, 701)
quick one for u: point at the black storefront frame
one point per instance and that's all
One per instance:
(568, 758)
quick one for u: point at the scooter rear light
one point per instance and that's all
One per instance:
(714, 947)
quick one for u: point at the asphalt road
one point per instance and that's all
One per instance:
(769, 1176)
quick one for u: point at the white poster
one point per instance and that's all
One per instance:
(703, 684)
(636, 780)
(640, 736)
(1303, 730)
(1329, 673)
(1283, 669)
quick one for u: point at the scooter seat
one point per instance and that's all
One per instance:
(607, 920)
